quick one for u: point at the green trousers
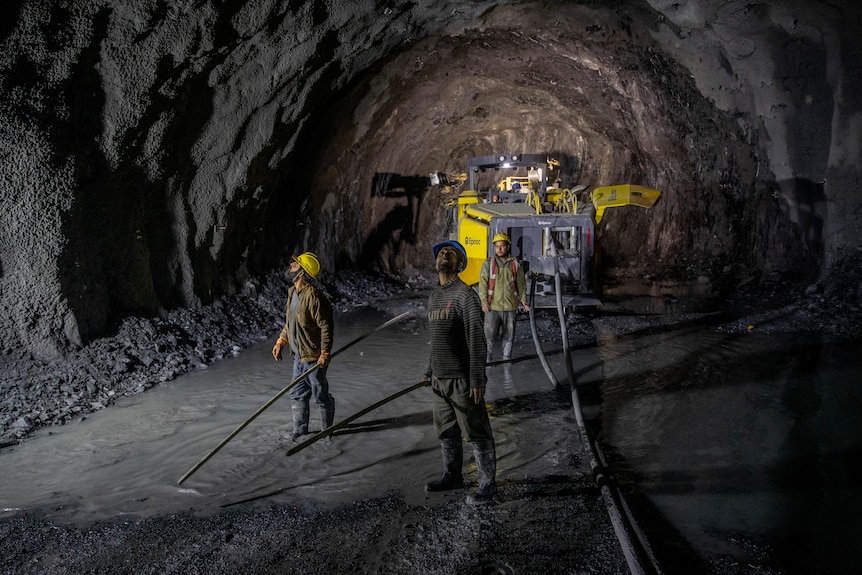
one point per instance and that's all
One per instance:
(455, 413)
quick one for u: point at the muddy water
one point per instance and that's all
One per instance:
(127, 460)
(723, 441)
(739, 446)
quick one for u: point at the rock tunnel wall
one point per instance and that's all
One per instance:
(157, 154)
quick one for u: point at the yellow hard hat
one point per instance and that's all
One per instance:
(309, 263)
(501, 237)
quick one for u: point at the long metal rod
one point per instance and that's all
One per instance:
(333, 428)
(275, 398)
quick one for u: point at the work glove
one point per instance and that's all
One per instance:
(323, 360)
(276, 349)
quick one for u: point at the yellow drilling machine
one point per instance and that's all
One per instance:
(552, 229)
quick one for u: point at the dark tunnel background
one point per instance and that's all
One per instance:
(156, 182)
(162, 161)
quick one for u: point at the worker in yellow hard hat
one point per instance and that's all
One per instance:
(308, 334)
(502, 289)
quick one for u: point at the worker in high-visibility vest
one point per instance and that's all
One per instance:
(502, 289)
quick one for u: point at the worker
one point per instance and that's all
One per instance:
(308, 332)
(456, 373)
(502, 287)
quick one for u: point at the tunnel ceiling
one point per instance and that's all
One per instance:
(161, 154)
(585, 89)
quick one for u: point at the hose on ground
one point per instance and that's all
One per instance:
(637, 552)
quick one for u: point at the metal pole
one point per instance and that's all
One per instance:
(333, 428)
(266, 405)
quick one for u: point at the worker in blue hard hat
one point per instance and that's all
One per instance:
(456, 373)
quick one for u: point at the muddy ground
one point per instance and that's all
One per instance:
(556, 525)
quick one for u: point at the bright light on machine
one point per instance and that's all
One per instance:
(438, 179)
(515, 158)
(507, 165)
(501, 158)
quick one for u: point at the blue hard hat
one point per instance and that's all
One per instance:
(458, 247)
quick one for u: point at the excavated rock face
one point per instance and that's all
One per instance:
(158, 154)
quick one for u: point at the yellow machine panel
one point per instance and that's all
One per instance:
(622, 195)
(473, 235)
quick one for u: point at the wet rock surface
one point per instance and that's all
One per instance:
(543, 526)
(148, 351)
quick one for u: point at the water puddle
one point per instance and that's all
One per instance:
(128, 459)
(717, 437)
(733, 437)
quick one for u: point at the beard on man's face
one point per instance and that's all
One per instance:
(447, 266)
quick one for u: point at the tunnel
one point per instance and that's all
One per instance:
(165, 154)
(163, 160)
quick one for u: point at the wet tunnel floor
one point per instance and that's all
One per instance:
(103, 496)
(707, 432)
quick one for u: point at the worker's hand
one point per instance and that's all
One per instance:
(427, 379)
(526, 307)
(323, 360)
(485, 307)
(477, 394)
(276, 349)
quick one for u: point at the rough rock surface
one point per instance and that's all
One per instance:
(157, 155)
(445, 539)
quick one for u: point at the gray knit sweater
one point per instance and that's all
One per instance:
(457, 337)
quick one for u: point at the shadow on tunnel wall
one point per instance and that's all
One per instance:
(382, 246)
(104, 268)
(9, 11)
(287, 221)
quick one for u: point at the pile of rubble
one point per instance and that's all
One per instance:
(147, 351)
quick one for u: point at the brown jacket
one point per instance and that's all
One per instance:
(314, 323)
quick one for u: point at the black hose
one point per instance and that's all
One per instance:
(540, 353)
(638, 556)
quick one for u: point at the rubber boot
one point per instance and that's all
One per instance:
(453, 459)
(327, 414)
(507, 350)
(486, 461)
(300, 418)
